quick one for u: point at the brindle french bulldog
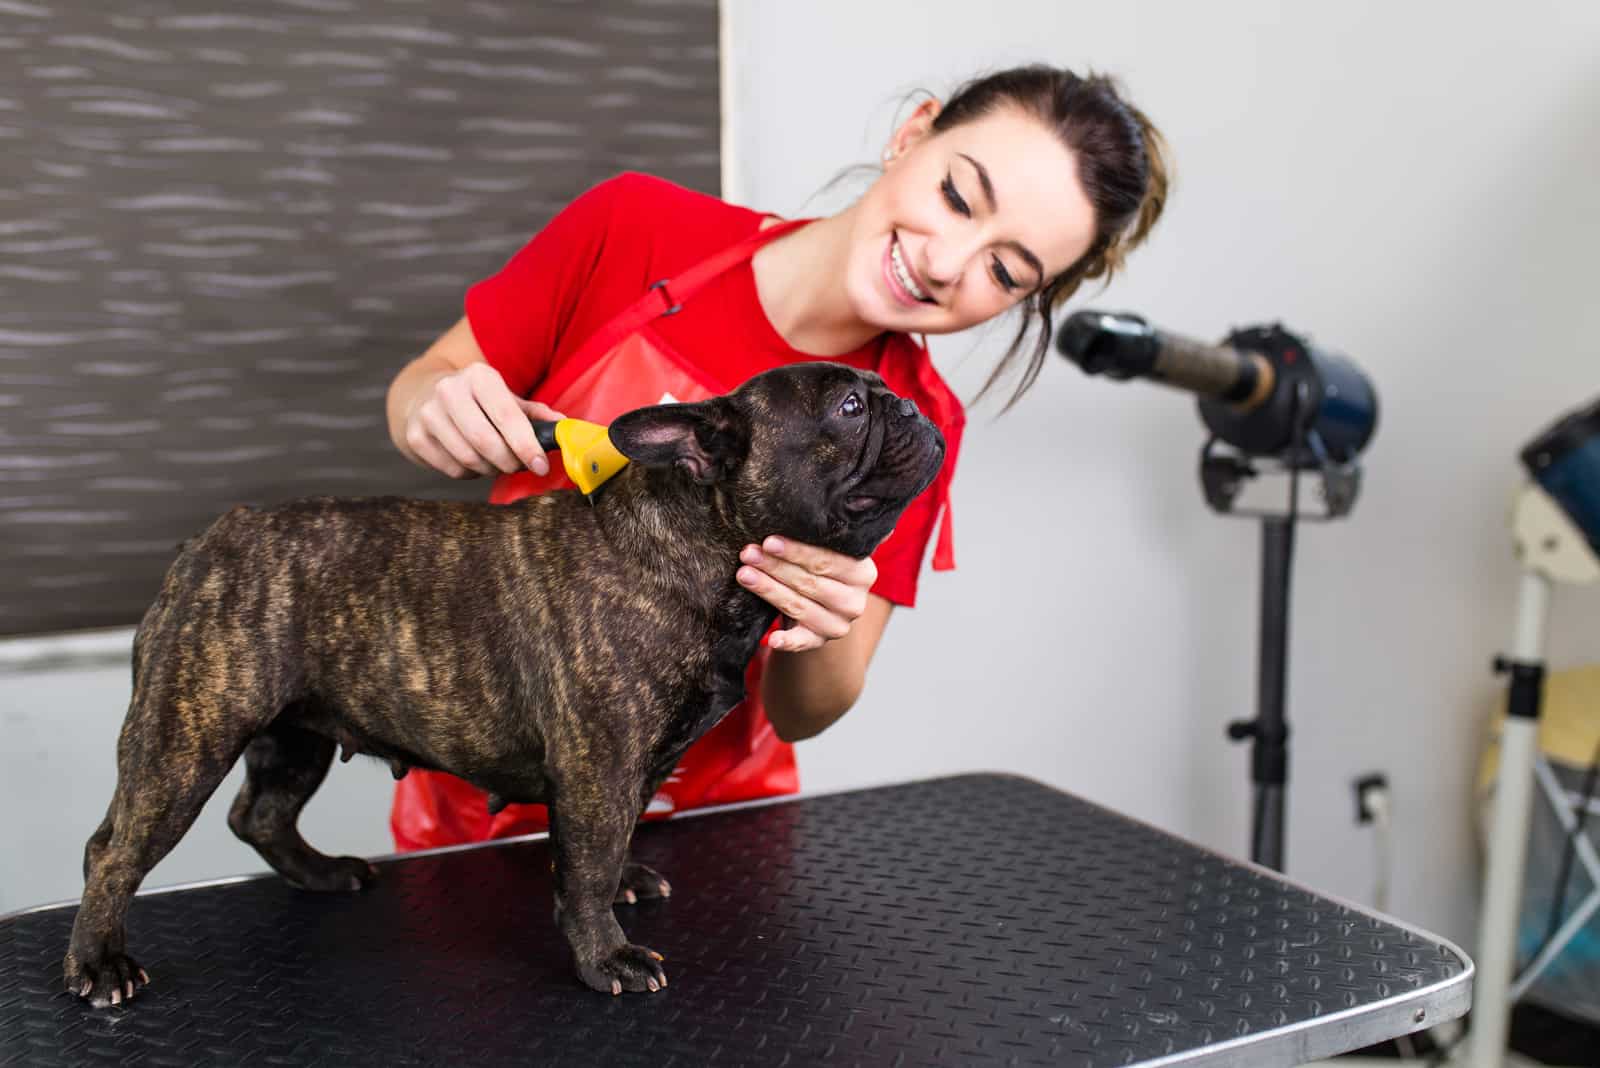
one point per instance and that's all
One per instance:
(555, 650)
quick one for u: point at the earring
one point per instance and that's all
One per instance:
(888, 155)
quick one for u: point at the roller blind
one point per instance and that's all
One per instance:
(223, 228)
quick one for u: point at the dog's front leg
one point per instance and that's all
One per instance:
(590, 824)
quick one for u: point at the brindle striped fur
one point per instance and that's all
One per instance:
(556, 650)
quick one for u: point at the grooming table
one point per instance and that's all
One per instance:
(967, 920)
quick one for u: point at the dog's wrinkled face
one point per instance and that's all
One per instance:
(818, 452)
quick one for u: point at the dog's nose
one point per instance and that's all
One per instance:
(908, 407)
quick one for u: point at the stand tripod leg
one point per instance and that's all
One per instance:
(1508, 832)
(1269, 756)
(1266, 841)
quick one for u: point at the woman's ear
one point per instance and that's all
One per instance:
(913, 130)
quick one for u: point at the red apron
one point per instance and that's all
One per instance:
(626, 365)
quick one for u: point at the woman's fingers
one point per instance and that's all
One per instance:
(814, 616)
(511, 427)
(823, 563)
(472, 424)
(821, 591)
(796, 639)
(539, 410)
(808, 589)
(465, 397)
(432, 453)
(836, 581)
(441, 428)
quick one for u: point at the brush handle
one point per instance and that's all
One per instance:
(545, 431)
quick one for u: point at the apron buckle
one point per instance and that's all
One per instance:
(673, 307)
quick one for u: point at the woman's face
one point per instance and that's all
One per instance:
(965, 223)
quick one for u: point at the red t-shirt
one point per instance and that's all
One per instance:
(591, 262)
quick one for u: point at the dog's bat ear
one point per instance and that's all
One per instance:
(708, 439)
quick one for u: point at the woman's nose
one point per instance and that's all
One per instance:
(945, 256)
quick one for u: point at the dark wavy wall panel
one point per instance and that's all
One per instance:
(224, 226)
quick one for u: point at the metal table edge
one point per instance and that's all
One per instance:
(1441, 1002)
(1294, 1043)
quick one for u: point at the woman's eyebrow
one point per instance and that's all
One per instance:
(983, 180)
(988, 194)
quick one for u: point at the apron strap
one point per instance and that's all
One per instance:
(665, 297)
(689, 282)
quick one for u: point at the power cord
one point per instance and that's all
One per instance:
(1376, 804)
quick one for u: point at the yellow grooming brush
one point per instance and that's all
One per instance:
(586, 450)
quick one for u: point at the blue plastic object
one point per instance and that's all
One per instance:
(1565, 461)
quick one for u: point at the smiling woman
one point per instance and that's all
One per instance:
(1025, 184)
(1051, 211)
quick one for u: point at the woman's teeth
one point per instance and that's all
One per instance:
(903, 276)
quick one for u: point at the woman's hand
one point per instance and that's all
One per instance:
(821, 592)
(466, 423)
(449, 410)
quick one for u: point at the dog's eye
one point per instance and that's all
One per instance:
(852, 406)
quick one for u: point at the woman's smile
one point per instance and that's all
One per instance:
(903, 283)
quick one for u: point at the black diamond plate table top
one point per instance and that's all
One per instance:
(981, 919)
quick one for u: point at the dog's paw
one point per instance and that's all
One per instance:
(628, 967)
(109, 980)
(640, 883)
(332, 874)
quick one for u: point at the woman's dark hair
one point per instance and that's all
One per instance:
(1122, 166)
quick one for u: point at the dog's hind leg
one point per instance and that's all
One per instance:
(284, 765)
(641, 882)
(170, 759)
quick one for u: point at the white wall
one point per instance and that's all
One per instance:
(58, 737)
(1411, 184)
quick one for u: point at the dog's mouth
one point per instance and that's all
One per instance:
(895, 489)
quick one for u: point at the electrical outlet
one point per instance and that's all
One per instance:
(1372, 791)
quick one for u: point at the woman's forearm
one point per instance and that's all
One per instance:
(409, 386)
(805, 693)
(450, 352)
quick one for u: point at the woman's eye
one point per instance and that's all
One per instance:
(1003, 276)
(852, 406)
(953, 197)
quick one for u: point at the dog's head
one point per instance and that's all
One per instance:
(818, 452)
